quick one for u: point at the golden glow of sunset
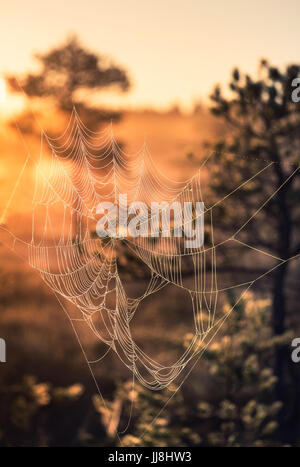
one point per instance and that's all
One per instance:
(175, 51)
(2, 91)
(10, 103)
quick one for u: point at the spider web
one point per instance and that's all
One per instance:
(73, 174)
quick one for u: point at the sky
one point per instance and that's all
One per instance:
(174, 50)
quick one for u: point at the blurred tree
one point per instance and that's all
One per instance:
(237, 406)
(241, 408)
(66, 70)
(264, 128)
(30, 410)
(139, 409)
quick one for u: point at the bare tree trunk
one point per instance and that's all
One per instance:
(279, 309)
(278, 324)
